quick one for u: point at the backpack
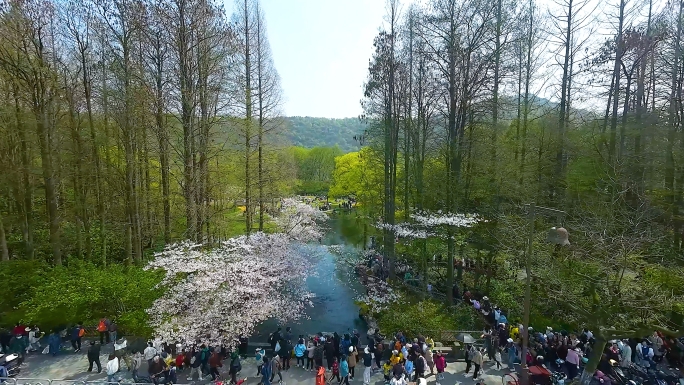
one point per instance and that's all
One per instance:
(420, 364)
(101, 327)
(238, 367)
(81, 332)
(644, 350)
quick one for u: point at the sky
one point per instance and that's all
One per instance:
(321, 50)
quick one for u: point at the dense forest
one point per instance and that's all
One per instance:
(455, 128)
(128, 125)
(311, 132)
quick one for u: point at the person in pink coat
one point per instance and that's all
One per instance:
(440, 364)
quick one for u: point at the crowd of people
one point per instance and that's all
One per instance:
(335, 358)
(341, 358)
(566, 351)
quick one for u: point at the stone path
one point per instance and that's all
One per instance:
(68, 365)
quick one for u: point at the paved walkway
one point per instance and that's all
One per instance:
(68, 365)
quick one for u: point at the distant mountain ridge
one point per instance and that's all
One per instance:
(309, 132)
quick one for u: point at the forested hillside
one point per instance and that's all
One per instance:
(308, 132)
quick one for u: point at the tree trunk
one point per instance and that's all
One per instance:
(616, 87)
(594, 360)
(451, 249)
(105, 118)
(248, 123)
(560, 155)
(87, 87)
(3, 241)
(260, 137)
(673, 118)
(27, 193)
(495, 97)
(528, 80)
(44, 128)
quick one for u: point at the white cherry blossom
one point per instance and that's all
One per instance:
(214, 295)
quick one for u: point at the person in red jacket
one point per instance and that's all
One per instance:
(320, 376)
(19, 330)
(180, 358)
(214, 364)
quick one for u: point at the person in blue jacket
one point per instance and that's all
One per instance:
(299, 351)
(344, 371)
(55, 341)
(266, 372)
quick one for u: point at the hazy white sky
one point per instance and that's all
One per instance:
(321, 50)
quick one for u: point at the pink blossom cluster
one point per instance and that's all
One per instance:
(428, 219)
(300, 220)
(379, 294)
(214, 295)
(405, 230)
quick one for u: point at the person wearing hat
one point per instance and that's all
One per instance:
(352, 358)
(486, 306)
(512, 354)
(368, 363)
(492, 346)
(395, 358)
(259, 354)
(120, 353)
(34, 339)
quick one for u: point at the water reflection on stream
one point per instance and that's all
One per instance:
(335, 286)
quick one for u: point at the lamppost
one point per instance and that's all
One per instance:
(557, 236)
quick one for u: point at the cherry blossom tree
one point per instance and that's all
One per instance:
(426, 224)
(300, 220)
(379, 294)
(214, 295)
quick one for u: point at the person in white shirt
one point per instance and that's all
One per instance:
(645, 354)
(158, 344)
(112, 368)
(657, 344)
(120, 352)
(34, 339)
(399, 381)
(149, 353)
(625, 354)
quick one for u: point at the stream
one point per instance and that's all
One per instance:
(335, 285)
